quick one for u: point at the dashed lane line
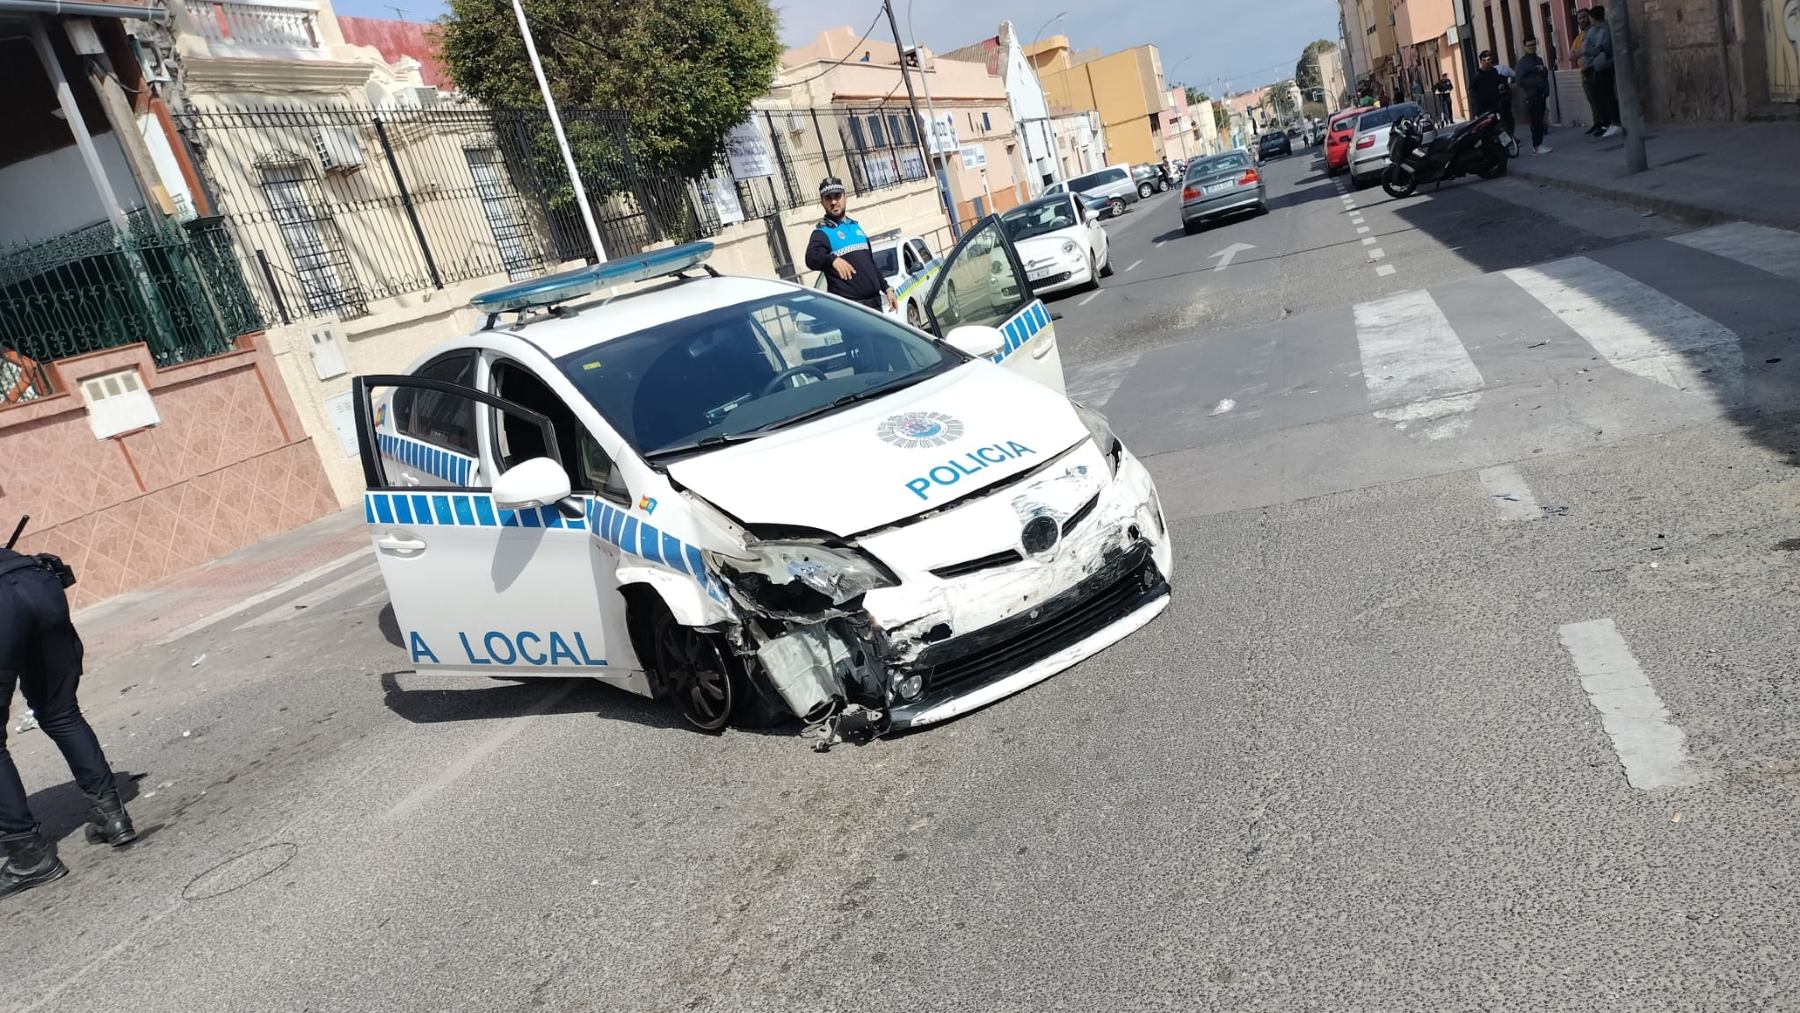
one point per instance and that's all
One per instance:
(1651, 747)
(1134, 265)
(1091, 296)
(1384, 270)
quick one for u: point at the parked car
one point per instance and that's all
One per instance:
(591, 492)
(1221, 185)
(1149, 179)
(1060, 242)
(1337, 139)
(1274, 143)
(1113, 184)
(1369, 144)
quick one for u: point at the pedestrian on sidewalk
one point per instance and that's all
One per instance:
(1582, 23)
(839, 249)
(1597, 52)
(1533, 75)
(1443, 89)
(40, 653)
(1490, 93)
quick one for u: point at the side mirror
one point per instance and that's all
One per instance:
(1090, 216)
(976, 340)
(534, 483)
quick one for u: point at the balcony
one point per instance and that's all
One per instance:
(285, 29)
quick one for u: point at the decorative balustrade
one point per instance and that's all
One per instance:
(268, 26)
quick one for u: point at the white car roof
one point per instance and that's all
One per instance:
(592, 321)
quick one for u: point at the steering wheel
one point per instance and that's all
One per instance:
(782, 377)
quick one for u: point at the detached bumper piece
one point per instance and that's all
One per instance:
(967, 663)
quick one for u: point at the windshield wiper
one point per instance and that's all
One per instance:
(703, 443)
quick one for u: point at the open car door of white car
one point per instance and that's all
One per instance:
(490, 571)
(982, 283)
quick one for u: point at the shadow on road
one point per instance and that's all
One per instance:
(487, 700)
(62, 810)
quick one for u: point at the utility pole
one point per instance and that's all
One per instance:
(1631, 110)
(912, 99)
(562, 139)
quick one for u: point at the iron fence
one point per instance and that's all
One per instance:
(175, 288)
(333, 209)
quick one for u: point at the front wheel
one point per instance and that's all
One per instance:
(1399, 184)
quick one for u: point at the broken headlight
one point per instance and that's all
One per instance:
(783, 572)
(1101, 431)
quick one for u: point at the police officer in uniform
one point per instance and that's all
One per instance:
(40, 652)
(840, 250)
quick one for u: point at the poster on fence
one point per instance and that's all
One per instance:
(748, 152)
(879, 170)
(721, 196)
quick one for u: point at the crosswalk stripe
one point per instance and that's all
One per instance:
(289, 609)
(1410, 352)
(1776, 251)
(1635, 327)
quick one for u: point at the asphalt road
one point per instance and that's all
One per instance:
(1479, 691)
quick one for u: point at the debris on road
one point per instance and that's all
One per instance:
(1555, 510)
(197, 661)
(1222, 407)
(27, 721)
(1540, 344)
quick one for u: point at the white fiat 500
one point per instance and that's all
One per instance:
(1061, 242)
(752, 498)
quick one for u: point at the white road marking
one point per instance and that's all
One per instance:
(1228, 254)
(1362, 230)
(289, 609)
(1369, 240)
(1376, 253)
(1409, 351)
(1652, 748)
(1384, 270)
(1510, 493)
(1776, 251)
(480, 751)
(1093, 384)
(1637, 328)
(1091, 296)
(1134, 265)
(262, 596)
(1438, 418)
(1356, 220)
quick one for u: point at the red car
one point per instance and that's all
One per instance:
(1337, 139)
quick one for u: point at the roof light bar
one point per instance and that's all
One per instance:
(560, 288)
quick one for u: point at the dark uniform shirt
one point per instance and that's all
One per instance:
(1489, 91)
(845, 239)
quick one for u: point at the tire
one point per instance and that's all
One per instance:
(1145, 189)
(1115, 206)
(913, 316)
(1399, 184)
(1496, 166)
(1190, 228)
(1106, 265)
(705, 681)
(1093, 281)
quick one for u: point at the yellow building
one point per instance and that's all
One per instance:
(1377, 22)
(1125, 87)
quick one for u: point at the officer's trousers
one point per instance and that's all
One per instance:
(41, 654)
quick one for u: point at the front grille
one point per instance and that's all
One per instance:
(1080, 515)
(970, 661)
(968, 566)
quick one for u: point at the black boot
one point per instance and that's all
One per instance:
(108, 821)
(27, 860)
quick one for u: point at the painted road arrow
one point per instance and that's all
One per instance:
(1226, 255)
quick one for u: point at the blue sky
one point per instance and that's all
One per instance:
(1203, 44)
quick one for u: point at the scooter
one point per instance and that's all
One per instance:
(1480, 147)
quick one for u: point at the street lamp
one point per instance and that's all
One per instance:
(1034, 38)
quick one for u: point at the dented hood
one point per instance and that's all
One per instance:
(882, 461)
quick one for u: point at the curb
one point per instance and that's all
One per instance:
(1690, 213)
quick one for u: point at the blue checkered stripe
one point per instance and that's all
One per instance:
(641, 538)
(467, 510)
(451, 467)
(1022, 328)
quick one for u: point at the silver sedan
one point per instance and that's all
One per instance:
(1220, 185)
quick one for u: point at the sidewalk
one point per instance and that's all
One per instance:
(1703, 174)
(228, 584)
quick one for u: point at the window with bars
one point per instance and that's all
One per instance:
(505, 214)
(312, 239)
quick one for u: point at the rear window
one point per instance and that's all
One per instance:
(1229, 162)
(1382, 117)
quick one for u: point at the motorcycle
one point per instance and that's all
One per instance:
(1480, 147)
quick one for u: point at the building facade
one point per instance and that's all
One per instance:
(1126, 88)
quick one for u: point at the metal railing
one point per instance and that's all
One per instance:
(333, 209)
(176, 288)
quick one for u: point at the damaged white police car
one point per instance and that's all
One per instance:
(752, 498)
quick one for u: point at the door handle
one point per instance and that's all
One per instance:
(1049, 346)
(395, 545)
(412, 480)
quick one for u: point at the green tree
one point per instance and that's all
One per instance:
(1195, 96)
(1222, 118)
(684, 71)
(1281, 101)
(1306, 71)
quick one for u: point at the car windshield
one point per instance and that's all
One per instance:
(1038, 218)
(1094, 179)
(741, 371)
(1382, 117)
(887, 260)
(1231, 161)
